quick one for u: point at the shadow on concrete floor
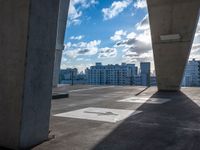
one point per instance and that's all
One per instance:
(174, 125)
(137, 94)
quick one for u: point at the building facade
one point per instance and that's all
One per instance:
(124, 74)
(67, 76)
(192, 74)
(145, 68)
(111, 74)
(71, 76)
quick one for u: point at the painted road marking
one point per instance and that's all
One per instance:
(147, 100)
(99, 114)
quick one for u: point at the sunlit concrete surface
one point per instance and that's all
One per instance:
(148, 100)
(172, 125)
(99, 114)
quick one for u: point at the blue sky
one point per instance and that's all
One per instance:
(109, 31)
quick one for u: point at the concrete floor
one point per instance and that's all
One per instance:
(174, 125)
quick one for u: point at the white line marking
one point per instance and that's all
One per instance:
(99, 114)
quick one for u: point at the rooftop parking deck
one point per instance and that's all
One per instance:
(113, 118)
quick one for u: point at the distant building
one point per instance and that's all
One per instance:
(124, 74)
(192, 74)
(145, 73)
(137, 80)
(81, 78)
(153, 81)
(71, 76)
(68, 74)
(111, 74)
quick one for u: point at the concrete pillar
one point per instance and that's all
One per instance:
(62, 21)
(27, 46)
(173, 24)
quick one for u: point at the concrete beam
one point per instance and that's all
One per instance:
(173, 25)
(27, 44)
(62, 22)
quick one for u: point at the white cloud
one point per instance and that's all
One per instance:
(80, 59)
(144, 24)
(134, 57)
(80, 67)
(129, 55)
(196, 46)
(131, 35)
(107, 52)
(137, 42)
(74, 14)
(76, 37)
(140, 46)
(140, 4)
(195, 54)
(198, 26)
(86, 3)
(75, 10)
(136, 46)
(144, 37)
(81, 48)
(197, 34)
(118, 35)
(116, 8)
(195, 51)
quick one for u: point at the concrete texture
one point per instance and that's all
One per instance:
(174, 125)
(169, 17)
(27, 44)
(62, 21)
(57, 65)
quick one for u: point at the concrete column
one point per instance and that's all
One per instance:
(27, 46)
(173, 24)
(62, 21)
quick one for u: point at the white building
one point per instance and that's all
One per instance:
(192, 74)
(111, 74)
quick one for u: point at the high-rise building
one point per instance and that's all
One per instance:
(68, 74)
(145, 72)
(192, 74)
(71, 76)
(153, 80)
(111, 74)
